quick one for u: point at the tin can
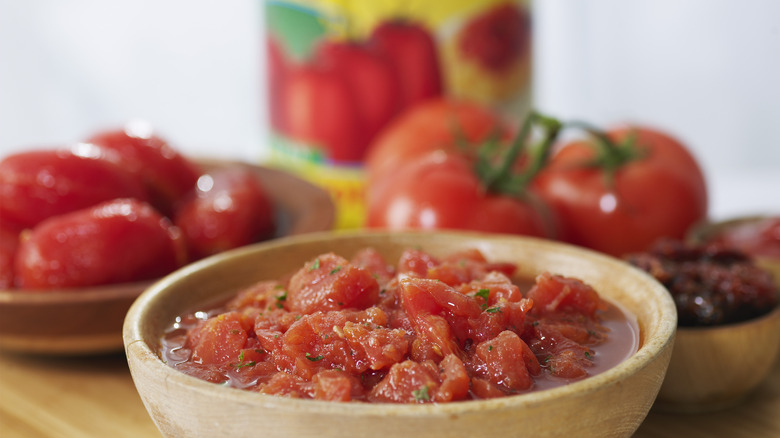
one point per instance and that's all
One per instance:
(340, 71)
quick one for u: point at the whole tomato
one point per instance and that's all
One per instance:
(441, 191)
(447, 189)
(320, 109)
(412, 50)
(372, 81)
(9, 242)
(36, 185)
(623, 190)
(166, 174)
(230, 208)
(114, 242)
(447, 124)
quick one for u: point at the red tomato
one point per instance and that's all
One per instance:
(320, 109)
(659, 193)
(372, 80)
(412, 50)
(277, 73)
(497, 38)
(40, 184)
(442, 191)
(166, 174)
(118, 241)
(229, 208)
(431, 125)
(9, 242)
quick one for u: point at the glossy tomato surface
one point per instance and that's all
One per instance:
(229, 208)
(661, 193)
(9, 242)
(36, 185)
(166, 174)
(435, 124)
(372, 80)
(441, 191)
(118, 241)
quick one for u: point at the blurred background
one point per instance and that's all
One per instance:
(705, 71)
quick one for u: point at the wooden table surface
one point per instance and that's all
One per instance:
(95, 397)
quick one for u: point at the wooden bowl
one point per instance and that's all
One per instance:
(715, 368)
(612, 403)
(89, 320)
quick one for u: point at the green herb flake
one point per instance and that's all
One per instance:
(587, 354)
(485, 295)
(315, 265)
(421, 394)
(490, 348)
(495, 309)
(334, 270)
(314, 358)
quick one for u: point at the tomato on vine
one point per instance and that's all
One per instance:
(446, 189)
(623, 189)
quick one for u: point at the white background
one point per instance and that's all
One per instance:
(705, 70)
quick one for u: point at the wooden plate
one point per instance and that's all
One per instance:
(89, 320)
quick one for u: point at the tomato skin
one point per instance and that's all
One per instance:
(441, 191)
(413, 52)
(372, 80)
(277, 73)
(114, 242)
(166, 174)
(321, 110)
(428, 126)
(36, 185)
(661, 194)
(229, 208)
(9, 242)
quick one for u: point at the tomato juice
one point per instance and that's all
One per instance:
(340, 71)
(423, 329)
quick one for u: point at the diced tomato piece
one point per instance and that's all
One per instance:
(555, 293)
(562, 356)
(414, 261)
(406, 382)
(454, 380)
(506, 361)
(372, 260)
(287, 385)
(381, 346)
(220, 339)
(336, 385)
(261, 295)
(330, 282)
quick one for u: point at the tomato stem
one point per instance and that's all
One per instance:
(610, 155)
(502, 178)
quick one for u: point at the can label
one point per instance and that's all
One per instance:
(339, 71)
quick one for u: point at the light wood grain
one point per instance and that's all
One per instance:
(69, 397)
(95, 398)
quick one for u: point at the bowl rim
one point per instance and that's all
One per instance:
(138, 350)
(761, 319)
